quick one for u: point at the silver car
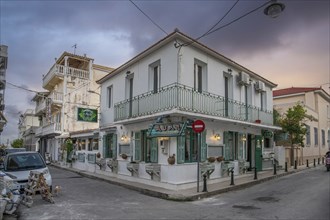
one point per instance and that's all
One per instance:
(18, 166)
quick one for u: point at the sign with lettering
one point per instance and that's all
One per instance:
(172, 129)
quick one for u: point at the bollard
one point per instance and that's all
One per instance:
(255, 173)
(318, 161)
(314, 163)
(232, 177)
(295, 164)
(286, 167)
(307, 165)
(204, 181)
(274, 168)
(322, 160)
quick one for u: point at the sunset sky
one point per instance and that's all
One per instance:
(290, 50)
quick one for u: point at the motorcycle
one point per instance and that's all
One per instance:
(327, 163)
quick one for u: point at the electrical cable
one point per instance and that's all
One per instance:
(227, 24)
(206, 33)
(148, 17)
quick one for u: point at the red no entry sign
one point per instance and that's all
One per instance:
(198, 126)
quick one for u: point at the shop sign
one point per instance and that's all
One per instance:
(172, 129)
(267, 134)
(86, 114)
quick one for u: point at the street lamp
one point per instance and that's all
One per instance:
(274, 9)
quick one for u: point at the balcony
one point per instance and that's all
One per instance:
(51, 129)
(57, 72)
(186, 99)
(56, 97)
(40, 107)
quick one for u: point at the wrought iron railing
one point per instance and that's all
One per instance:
(184, 98)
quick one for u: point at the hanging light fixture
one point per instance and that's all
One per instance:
(274, 9)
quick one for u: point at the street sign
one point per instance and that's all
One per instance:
(198, 126)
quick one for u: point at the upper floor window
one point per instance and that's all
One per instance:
(308, 135)
(316, 137)
(228, 93)
(200, 76)
(323, 137)
(109, 96)
(263, 101)
(154, 76)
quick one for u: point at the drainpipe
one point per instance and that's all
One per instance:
(65, 77)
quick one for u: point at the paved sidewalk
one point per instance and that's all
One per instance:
(240, 182)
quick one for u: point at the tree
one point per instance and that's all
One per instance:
(17, 143)
(293, 123)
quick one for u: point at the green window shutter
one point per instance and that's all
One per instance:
(114, 146)
(240, 146)
(203, 146)
(180, 149)
(226, 143)
(104, 138)
(154, 150)
(137, 146)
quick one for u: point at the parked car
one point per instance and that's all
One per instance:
(5, 151)
(19, 164)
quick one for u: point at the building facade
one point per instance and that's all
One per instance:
(71, 102)
(27, 125)
(150, 104)
(317, 104)
(3, 68)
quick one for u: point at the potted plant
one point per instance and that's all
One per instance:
(211, 159)
(124, 156)
(171, 159)
(220, 158)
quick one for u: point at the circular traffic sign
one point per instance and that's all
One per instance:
(198, 126)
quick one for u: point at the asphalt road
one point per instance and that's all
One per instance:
(304, 195)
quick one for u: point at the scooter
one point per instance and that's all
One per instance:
(327, 163)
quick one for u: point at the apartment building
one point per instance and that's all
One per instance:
(70, 103)
(27, 125)
(148, 107)
(317, 104)
(3, 68)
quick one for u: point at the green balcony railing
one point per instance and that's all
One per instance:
(184, 98)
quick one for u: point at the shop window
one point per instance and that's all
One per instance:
(95, 144)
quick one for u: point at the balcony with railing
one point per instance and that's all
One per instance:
(40, 107)
(186, 99)
(57, 72)
(56, 97)
(51, 129)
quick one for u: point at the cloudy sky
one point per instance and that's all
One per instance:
(291, 50)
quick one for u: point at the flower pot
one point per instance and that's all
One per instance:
(220, 158)
(211, 159)
(258, 121)
(171, 159)
(124, 156)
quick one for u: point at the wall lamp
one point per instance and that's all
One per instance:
(217, 137)
(123, 138)
(244, 137)
(274, 9)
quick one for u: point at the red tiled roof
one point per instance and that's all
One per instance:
(294, 90)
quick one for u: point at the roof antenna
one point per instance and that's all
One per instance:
(75, 47)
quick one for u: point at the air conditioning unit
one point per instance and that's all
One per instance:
(243, 78)
(260, 86)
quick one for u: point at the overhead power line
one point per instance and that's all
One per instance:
(148, 17)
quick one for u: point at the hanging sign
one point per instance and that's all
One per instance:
(86, 114)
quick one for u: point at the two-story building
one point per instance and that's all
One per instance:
(70, 104)
(317, 104)
(150, 103)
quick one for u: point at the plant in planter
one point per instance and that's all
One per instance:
(211, 159)
(124, 156)
(171, 159)
(220, 158)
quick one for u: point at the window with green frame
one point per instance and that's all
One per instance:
(187, 147)
(110, 146)
(145, 149)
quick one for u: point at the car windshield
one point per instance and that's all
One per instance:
(19, 162)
